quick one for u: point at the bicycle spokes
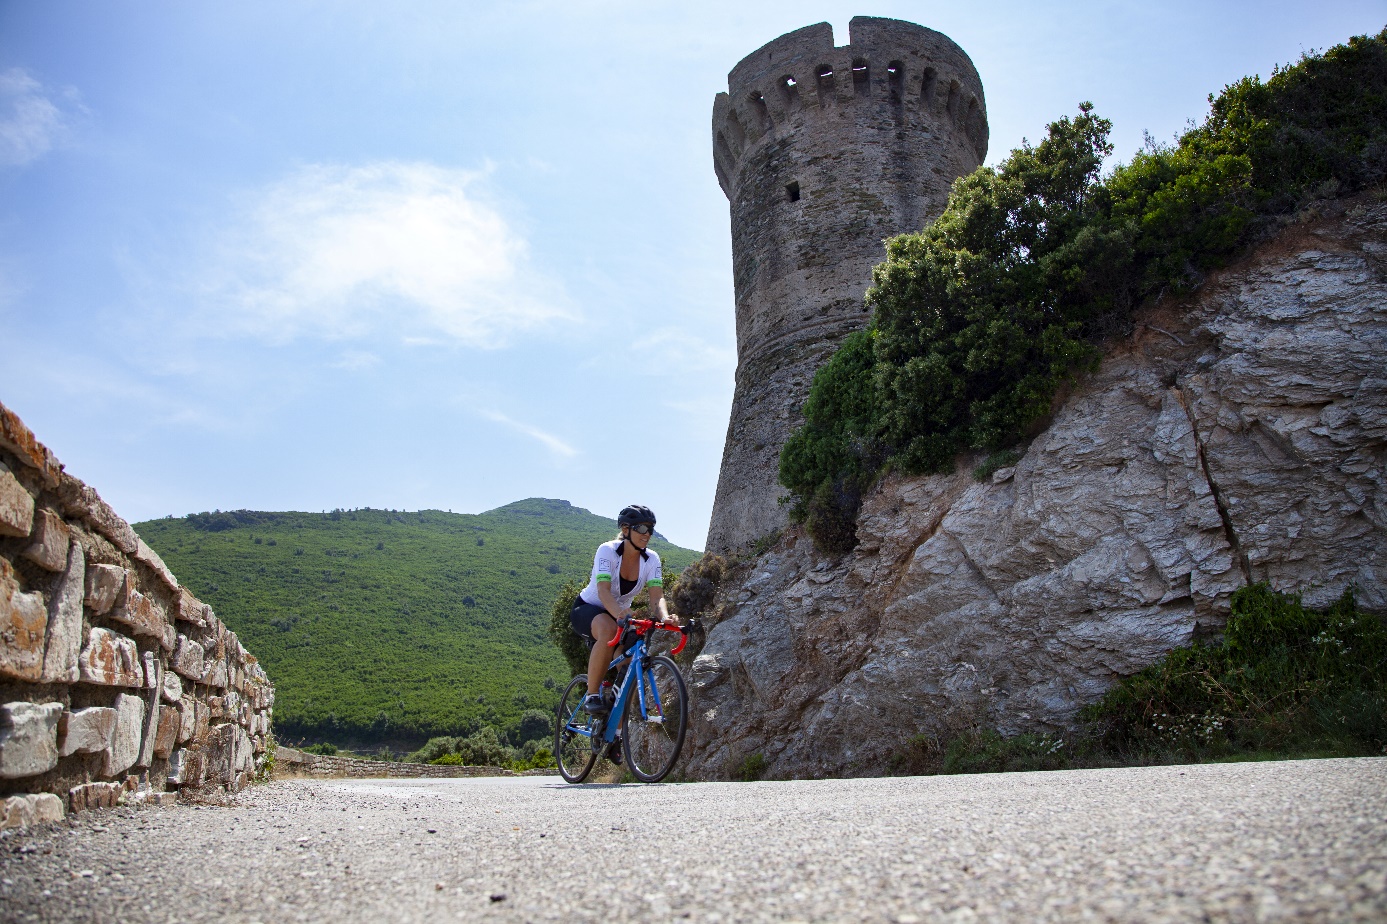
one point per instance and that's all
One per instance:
(574, 748)
(654, 723)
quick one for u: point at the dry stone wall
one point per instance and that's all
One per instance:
(115, 681)
(1239, 436)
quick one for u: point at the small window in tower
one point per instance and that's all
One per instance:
(825, 73)
(895, 80)
(927, 89)
(792, 192)
(737, 134)
(763, 113)
(861, 77)
(789, 91)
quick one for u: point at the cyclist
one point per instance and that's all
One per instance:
(621, 569)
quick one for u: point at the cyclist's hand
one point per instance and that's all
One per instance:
(671, 620)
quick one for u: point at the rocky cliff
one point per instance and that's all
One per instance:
(1238, 435)
(116, 683)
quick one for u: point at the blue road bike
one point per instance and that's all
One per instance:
(650, 710)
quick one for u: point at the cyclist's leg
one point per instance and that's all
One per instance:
(593, 622)
(600, 658)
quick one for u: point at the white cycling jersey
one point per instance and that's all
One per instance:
(606, 566)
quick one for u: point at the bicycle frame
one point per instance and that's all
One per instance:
(634, 676)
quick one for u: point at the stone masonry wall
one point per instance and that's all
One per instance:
(113, 677)
(823, 153)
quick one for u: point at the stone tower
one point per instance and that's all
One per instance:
(823, 153)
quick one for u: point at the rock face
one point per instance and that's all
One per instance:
(823, 152)
(89, 620)
(1239, 436)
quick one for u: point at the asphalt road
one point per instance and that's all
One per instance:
(1295, 841)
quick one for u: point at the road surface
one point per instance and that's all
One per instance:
(1293, 841)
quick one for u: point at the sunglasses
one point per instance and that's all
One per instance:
(644, 529)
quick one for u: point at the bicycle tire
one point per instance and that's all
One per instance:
(573, 752)
(652, 747)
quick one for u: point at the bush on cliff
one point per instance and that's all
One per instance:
(1283, 678)
(980, 318)
(1282, 682)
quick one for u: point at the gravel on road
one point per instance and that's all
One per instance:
(1254, 842)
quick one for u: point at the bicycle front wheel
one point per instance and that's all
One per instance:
(656, 718)
(573, 747)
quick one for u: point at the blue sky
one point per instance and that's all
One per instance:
(304, 255)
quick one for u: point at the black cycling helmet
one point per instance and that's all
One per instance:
(636, 513)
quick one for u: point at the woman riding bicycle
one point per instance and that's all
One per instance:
(620, 570)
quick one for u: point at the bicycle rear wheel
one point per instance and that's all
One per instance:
(573, 748)
(652, 735)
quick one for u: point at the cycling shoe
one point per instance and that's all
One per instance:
(593, 704)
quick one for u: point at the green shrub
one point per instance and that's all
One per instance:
(827, 462)
(1283, 679)
(324, 748)
(1283, 682)
(697, 586)
(433, 750)
(569, 643)
(482, 748)
(996, 462)
(534, 725)
(693, 597)
(752, 768)
(988, 752)
(767, 542)
(979, 318)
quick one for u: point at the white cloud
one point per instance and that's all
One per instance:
(30, 122)
(404, 251)
(553, 443)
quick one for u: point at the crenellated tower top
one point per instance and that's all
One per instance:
(801, 78)
(823, 153)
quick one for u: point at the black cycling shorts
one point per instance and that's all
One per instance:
(582, 615)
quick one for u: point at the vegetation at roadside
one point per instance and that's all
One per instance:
(1283, 681)
(751, 769)
(485, 748)
(979, 319)
(382, 627)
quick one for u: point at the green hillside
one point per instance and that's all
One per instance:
(384, 626)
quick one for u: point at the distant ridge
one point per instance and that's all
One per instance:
(392, 626)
